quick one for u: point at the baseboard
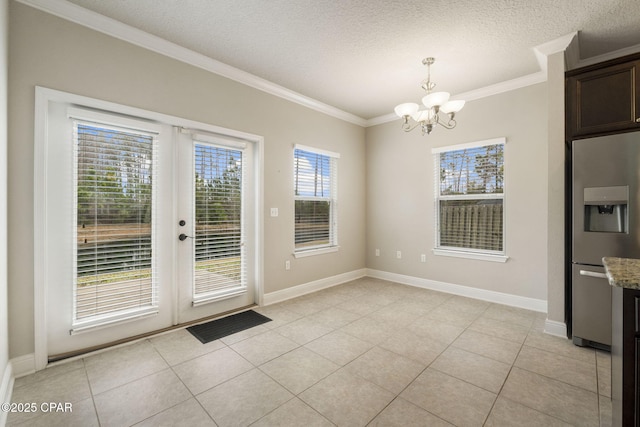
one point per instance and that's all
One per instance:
(482, 294)
(6, 389)
(23, 365)
(316, 285)
(556, 328)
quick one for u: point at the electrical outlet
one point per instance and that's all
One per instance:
(398, 254)
(377, 252)
(423, 258)
(287, 265)
(274, 211)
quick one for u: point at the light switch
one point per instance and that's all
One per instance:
(274, 211)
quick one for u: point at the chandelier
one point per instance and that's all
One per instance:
(435, 103)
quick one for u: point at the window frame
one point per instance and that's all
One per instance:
(116, 123)
(332, 245)
(220, 143)
(460, 252)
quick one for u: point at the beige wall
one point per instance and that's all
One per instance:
(400, 201)
(556, 191)
(54, 53)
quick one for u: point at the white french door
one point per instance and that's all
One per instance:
(146, 225)
(216, 248)
(106, 231)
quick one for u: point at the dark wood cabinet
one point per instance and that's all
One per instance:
(603, 98)
(625, 357)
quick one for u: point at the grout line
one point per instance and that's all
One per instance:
(381, 287)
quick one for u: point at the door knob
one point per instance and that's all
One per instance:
(184, 237)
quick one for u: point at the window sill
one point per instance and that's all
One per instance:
(312, 252)
(471, 255)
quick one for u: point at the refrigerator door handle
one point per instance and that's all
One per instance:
(593, 274)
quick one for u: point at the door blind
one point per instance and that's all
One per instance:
(219, 268)
(114, 212)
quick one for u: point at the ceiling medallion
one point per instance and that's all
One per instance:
(435, 103)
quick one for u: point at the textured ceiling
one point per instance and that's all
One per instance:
(364, 56)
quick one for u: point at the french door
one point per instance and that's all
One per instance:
(215, 249)
(147, 226)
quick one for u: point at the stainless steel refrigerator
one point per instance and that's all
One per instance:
(605, 223)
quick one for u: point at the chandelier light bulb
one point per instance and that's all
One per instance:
(423, 115)
(406, 109)
(452, 106)
(435, 99)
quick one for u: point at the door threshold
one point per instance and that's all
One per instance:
(83, 352)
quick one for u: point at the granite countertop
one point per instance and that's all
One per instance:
(623, 272)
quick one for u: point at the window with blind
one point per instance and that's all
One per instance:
(114, 215)
(219, 268)
(470, 198)
(315, 195)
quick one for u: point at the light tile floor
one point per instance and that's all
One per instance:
(368, 352)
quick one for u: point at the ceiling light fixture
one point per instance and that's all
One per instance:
(435, 103)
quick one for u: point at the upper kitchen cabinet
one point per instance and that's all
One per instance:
(603, 98)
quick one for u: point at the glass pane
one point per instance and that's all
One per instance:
(471, 224)
(312, 174)
(218, 219)
(314, 187)
(477, 170)
(114, 216)
(312, 223)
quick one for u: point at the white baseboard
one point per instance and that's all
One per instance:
(481, 294)
(316, 285)
(6, 389)
(23, 365)
(553, 327)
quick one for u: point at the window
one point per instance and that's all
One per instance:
(470, 200)
(114, 213)
(315, 188)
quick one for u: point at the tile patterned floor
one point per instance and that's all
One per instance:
(368, 352)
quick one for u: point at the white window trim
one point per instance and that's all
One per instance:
(333, 246)
(317, 251)
(482, 256)
(468, 253)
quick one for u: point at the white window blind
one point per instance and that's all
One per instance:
(470, 197)
(315, 195)
(115, 274)
(220, 266)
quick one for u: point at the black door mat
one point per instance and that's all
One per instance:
(220, 328)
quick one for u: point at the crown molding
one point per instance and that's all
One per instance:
(541, 52)
(607, 56)
(79, 15)
(561, 44)
(483, 92)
